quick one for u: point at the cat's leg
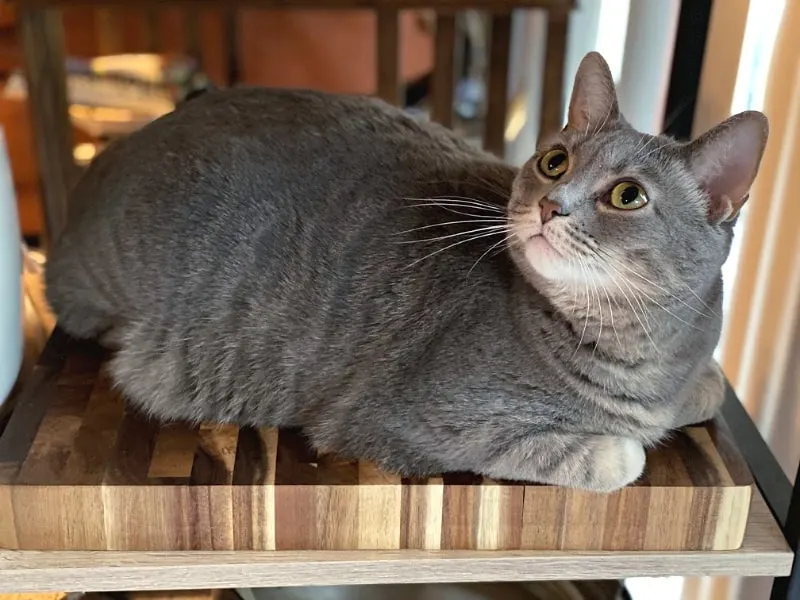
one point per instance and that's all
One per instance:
(704, 399)
(601, 463)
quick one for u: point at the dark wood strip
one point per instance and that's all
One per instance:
(55, 435)
(297, 464)
(251, 466)
(215, 455)
(442, 84)
(722, 438)
(540, 531)
(97, 437)
(696, 461)
(296, 517)
(459, 515)
(408, 511)
(55, 351)
(388, 43)
(130, 460)
(208, 511)
(31, 405)
(625, 524)
(665, 469)
(497, 92)
(193, 35)
(214, 50)
(153, 35)
(81, 364)
(705, 504)
(552, 113)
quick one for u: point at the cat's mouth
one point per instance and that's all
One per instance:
(539, 243)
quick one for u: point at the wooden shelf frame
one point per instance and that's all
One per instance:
(764, 553)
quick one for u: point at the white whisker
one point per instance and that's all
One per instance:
(632, 271)
(616, 281)
(492, 247)
(588, 309)
(465, 200)
(459, 242)
(486, 220)
(493, 229)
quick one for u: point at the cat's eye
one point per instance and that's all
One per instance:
(554, 163)
(628, 196)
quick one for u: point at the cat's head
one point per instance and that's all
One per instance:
(602, 204)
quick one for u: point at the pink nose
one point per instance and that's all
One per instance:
(550, 209)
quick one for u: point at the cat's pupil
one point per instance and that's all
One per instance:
(556, 161)
(629, 194)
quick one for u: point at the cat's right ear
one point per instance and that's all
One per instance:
(725, 161)
(594, 99)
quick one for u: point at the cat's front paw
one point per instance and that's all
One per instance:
(615, 462)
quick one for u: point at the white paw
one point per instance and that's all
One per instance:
(616, 462)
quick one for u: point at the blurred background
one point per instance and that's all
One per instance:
(76, 76)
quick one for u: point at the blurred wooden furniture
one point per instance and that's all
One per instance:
(43, 47)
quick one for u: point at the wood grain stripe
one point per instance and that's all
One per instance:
(97, 436)
(215, 455)
(173, 453)
(704, 443)
(422, 509)
(627, 514)
(130, 461)
(461, 502)
(54, 440)
(543, 517)
(379, 509)
(576, 535)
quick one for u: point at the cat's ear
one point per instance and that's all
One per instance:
(594, 98)
(725, 162)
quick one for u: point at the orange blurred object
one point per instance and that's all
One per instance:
(327, 50)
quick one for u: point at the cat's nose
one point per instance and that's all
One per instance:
(550, 209)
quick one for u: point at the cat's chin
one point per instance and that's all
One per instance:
(544, 258)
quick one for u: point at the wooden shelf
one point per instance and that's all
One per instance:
(763, 553)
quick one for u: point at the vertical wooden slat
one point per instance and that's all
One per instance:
(42, 38)
(552, 114)
(193, 35)
(444, 69)
(152, 39)
(388, 40)
(497, 93)
(214, 49)
(230, 45)
(109, 32)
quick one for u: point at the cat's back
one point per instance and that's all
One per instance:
(255, 136)
(237, 178)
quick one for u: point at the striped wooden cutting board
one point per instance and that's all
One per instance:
(79, 471)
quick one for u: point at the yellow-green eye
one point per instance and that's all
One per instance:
(628, 196)
(554, 163)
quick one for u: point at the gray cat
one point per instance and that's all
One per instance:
(292, 258)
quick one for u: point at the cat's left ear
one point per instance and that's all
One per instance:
(725, 161)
